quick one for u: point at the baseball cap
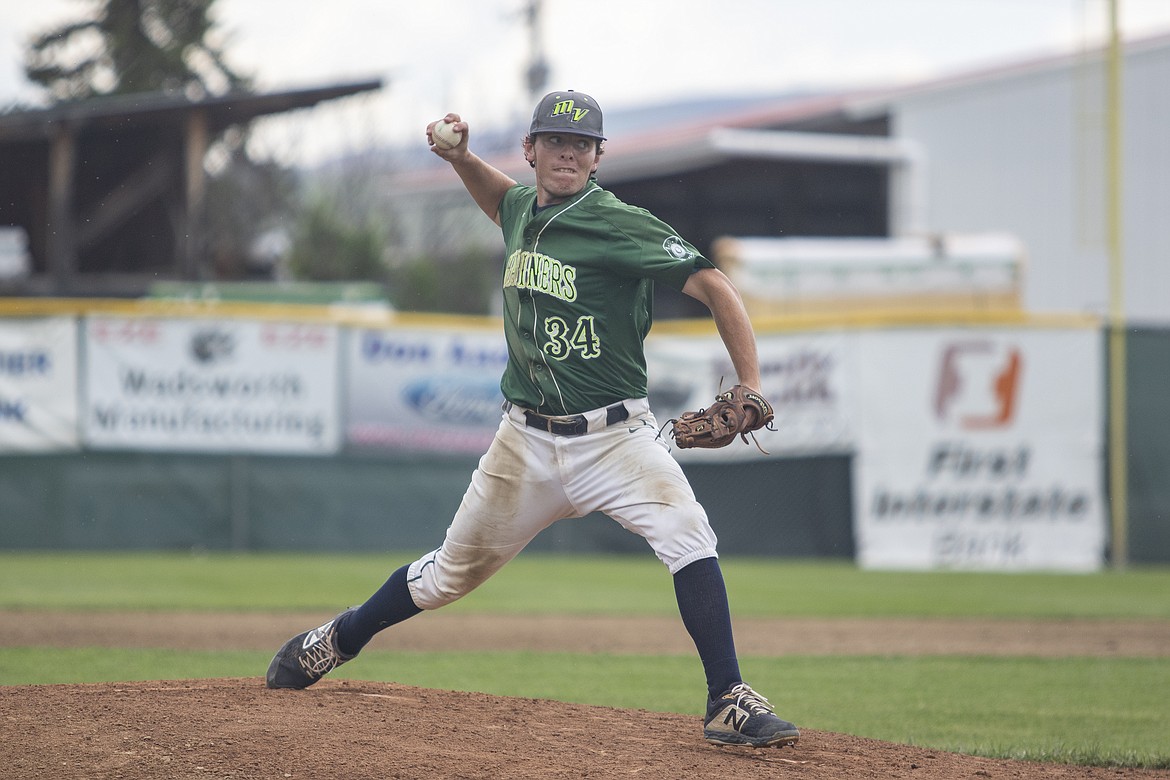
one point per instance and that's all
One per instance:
(567, 112)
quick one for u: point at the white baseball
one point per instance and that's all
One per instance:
(445, 136)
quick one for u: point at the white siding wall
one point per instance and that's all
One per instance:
(1147, 190)
(1023, 151)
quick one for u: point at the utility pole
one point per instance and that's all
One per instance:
(536, 74)
(1118, 432)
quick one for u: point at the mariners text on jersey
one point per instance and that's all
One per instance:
(535, 271)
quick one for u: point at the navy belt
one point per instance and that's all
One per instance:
(573, 425)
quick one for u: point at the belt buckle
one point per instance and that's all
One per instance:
(571, 425)
(574, 425)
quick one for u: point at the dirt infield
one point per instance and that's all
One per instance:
(236, 728)
(454, 631)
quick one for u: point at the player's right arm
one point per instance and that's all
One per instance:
(484, 183)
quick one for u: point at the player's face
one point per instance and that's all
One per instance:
(564, 162)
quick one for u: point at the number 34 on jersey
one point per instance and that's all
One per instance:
(564, 338)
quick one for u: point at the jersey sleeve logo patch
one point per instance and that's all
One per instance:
(675, 247)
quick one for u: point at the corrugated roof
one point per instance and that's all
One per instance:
(653, 149)
(650, 149)
(880, 102)
(159, 108)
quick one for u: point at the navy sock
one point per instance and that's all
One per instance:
(391, 604)
(702, 602)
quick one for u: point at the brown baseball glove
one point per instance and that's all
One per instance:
(737, 412)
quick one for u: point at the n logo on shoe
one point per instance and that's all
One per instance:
(316, 635)
(735, 718)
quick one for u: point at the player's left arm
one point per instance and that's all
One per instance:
(712, 287)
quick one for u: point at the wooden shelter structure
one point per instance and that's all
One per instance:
(110, 190)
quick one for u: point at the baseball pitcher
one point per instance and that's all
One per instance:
(577, 434)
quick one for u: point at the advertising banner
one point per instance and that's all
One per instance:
(211, 385)
(424, 389)
(38, 385)
(803, 376)
(980, 449)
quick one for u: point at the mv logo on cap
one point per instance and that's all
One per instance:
(567, 112)
(568, 107)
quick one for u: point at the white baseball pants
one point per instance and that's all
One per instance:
(529, 479)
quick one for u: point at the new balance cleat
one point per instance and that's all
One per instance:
(743, 717)
(307, 657)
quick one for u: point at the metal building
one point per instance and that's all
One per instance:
(1017, 149)
(1022, 149)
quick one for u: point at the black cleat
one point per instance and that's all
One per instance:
(307, 657)
(743, 717)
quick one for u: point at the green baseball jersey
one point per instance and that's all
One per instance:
(578, 283)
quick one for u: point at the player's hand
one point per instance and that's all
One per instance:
(456, 153)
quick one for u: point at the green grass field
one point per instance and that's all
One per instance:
(1103, 711)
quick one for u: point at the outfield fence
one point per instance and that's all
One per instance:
(911, 441)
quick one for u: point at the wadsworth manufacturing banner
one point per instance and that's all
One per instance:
(211, 385)
(424, 389)
(980, 449)
(38, 385)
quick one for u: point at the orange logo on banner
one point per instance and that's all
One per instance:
(1002, 384)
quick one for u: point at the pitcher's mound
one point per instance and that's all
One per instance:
(236, 728)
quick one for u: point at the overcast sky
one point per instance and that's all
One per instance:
(470, 55)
